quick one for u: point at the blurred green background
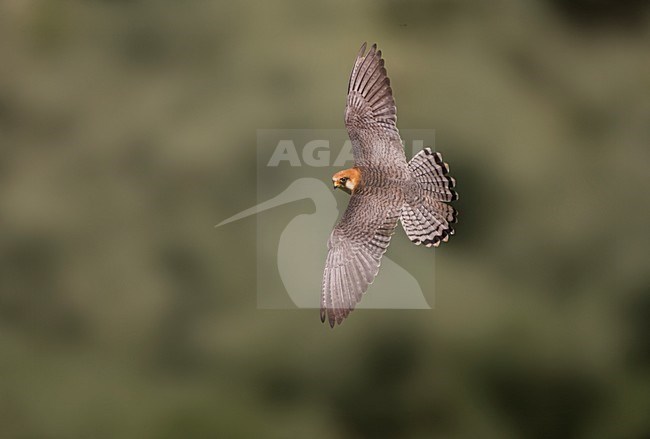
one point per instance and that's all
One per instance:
(128, 129)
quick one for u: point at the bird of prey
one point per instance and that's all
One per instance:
(384, 189)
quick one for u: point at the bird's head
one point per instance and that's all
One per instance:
(347, 180)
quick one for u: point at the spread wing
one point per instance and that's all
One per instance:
(370, 113)
(356, 247)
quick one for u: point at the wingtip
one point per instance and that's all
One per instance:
(327, 314)
(362, 50)
(373, 49)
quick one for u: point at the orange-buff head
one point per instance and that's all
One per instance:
(347, 180)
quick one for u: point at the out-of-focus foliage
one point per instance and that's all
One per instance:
(128, 128)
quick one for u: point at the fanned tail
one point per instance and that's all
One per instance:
(432, 175)
(426, 217)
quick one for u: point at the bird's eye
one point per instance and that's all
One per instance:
(343, 180)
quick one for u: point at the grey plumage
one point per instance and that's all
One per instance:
(390, 189)
(371, 116)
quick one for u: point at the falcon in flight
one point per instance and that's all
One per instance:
(384, 189)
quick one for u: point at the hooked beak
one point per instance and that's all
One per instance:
(335, 184)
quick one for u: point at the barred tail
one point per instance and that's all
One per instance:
(426, 217)
(432, 175)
